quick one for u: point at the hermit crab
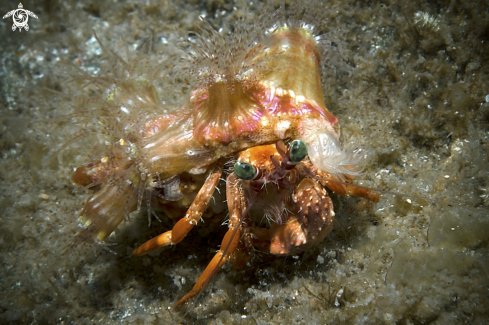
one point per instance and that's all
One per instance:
(277, 204)
(257, 102)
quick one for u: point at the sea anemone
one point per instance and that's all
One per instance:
(121, 115)
(267, 66)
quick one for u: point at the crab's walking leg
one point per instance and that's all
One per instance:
(236, 207)
(184, 225)
(343, 189)
(230, 241)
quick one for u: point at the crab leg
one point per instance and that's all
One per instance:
(184, 225)
(353, 190)
(340, 188)
(236, 206)
(230, 241)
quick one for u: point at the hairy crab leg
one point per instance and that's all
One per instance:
(229, 244)
(343, 189)
(184, 225)
(339, 187)
(236, 206)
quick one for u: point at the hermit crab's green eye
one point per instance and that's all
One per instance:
(244, 170)
(298, 150)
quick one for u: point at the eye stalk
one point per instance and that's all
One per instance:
(244, 170)
(298, 151)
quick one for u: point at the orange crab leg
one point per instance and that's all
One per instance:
(228, 246)
(343, 189)
(184, 225)
(236, 206)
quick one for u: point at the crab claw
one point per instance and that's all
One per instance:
(312, 221)
(287, 238)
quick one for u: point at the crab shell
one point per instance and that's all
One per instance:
(228, 119)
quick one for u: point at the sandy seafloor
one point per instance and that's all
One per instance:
(418, 101)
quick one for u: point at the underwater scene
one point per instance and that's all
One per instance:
(306, 162)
